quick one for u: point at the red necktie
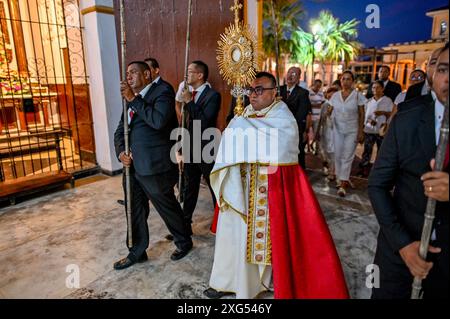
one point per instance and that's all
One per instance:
(131, 114)
(194, 93)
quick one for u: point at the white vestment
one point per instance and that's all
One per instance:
(242, 258)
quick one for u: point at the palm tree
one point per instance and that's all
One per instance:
(329, 41)
(287, 16)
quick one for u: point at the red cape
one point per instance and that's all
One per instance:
(304, 259)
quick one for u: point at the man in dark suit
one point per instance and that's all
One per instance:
(423, 88)
(154, 71)
(391, 88)
(297, 99)
(403, 164)
(151, 114)
(202, 106)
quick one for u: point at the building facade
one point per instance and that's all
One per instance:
(60, 73)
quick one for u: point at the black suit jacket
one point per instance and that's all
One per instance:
(150, 129)
(414, 91)
(207, 111)
(391, 90)
(299, 104)
(404, 157)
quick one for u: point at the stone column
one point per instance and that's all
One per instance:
(253, 10)
(102, 63)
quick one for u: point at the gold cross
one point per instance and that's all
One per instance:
(237, 6)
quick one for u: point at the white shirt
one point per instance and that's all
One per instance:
(156, 80)
(345, 113)
(142, 93)
(178, 96)
(290, 89)
(426, 88)
(199, 91)
(400, 98)
(316, 99)
(383, 104)
(438, 115)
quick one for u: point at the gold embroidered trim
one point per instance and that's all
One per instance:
(258, 234)
(259, 163)
(269, 241)
(251, 211)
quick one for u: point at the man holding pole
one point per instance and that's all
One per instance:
(151, 117)
(403, 164)
(202, 106)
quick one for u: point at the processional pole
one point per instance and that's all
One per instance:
(431, 204)
(183, 104)
(125, 125)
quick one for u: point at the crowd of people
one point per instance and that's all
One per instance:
(257, 214)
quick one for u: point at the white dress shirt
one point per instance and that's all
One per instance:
(178, 96)
(142, 94)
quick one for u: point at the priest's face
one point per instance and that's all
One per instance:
(263, 93)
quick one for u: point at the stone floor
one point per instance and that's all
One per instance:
(45, 241)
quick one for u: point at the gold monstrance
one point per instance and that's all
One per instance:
(237, 56)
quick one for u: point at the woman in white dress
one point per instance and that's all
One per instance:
(348, 121)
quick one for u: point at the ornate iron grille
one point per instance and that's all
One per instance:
(45, 114)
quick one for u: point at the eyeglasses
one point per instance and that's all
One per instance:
(417, 78)
(259, 90)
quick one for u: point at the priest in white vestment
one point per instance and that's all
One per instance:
(270, 228)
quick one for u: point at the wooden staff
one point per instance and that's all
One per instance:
(431, 204)
(183, 111)
(125, 125)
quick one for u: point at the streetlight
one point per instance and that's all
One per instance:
(317, 44)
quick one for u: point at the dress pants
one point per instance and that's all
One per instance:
(369, 141)
(159, 190)
(193, 174)
(301, 155)
(344, 153)
(301, 147)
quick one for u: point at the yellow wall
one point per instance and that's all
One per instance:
(438, 17)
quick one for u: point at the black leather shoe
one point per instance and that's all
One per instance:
(123, 263)
(212, 293)
(178, 254)
(121, 202)
(143, 258)
(169, 237)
